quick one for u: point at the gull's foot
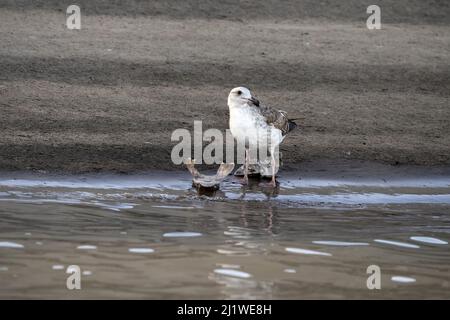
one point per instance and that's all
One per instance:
(244, 181)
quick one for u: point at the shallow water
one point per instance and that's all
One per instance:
(153, 236)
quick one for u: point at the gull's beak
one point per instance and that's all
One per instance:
(254, 101)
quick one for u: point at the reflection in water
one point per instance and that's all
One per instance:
(243, 242)
(259, 186)
(7, 244)
(181, 234)
(307, 251)
(341, 243)
(87, 247)
(403, 279)
(58, 267)
(141, 250)
(290, 270)
(397, 243)
(208, 192)
(429, 240)
(233, 273)
(240, 287)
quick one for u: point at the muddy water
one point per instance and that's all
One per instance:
(153, 236)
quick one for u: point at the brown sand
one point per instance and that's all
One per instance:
(107, 97)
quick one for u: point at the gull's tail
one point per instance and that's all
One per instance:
(291, 125)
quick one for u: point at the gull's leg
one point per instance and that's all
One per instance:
(246, 168)
(274, 181)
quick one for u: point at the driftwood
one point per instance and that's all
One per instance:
(211, 182)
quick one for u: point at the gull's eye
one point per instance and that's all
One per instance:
(239, 92)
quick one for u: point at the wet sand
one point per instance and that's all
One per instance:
(107, 97)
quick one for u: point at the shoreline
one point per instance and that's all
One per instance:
(346, 185)
(352, 171)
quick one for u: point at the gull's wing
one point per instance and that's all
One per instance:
(277, 118)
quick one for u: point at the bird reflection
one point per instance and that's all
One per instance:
(208, 192)
(260, 185)
(268, 218)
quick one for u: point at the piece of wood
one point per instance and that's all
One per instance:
(200, 180)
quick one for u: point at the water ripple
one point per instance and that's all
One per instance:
(181, 234)
(397, 243)
(14, 245)
(87, 247)
(233, 273)
(429, 240)
(141, 250)
(341, 243)
(403, 279)
(307, 251)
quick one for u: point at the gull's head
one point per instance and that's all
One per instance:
(241, 96)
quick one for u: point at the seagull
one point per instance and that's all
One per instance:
(256, 125)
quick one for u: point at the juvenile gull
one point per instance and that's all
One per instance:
(256, 125)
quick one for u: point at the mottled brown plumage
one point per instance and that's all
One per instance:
(277, 118)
